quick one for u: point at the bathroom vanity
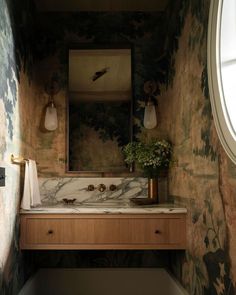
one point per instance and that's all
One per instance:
(152, 227)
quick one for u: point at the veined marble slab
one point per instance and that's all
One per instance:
(69, 209)
(53, 190)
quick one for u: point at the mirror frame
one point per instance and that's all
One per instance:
(88, 46)
(219, 111)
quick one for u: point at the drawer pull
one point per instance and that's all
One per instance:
(50, 231)
(157, 231)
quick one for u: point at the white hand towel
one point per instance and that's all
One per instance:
(31, 194)
(26, 200)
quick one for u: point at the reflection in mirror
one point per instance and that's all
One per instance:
(100, 109)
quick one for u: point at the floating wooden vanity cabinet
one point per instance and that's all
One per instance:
(103, 231)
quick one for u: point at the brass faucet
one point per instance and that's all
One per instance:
(112, 187)
(101, 187)
(91, 187)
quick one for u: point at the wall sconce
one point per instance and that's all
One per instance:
(51, 121)
(150, 117)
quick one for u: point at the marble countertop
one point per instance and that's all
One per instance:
(105, 209)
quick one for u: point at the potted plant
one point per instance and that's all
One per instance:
(152, 157)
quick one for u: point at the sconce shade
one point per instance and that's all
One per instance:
(51, 122)
(150, 118)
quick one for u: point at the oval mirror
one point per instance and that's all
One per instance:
(222, 71)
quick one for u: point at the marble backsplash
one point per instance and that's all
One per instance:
(54, 190)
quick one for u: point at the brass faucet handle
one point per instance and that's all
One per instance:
(112, 187)
(91, 187)
(101, 187)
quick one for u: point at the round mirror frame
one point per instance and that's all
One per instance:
(220, 114)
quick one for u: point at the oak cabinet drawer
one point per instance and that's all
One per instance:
(57, 231)
(99, 232)
(144, 231)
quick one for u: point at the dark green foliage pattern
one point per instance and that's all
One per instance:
(110, 120)
(15, 50)
(145, 32)
(217, 262)
(16, 40)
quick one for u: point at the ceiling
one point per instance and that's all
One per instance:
(101, 5)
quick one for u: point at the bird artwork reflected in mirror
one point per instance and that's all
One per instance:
(99, 74)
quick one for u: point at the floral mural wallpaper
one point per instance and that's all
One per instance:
(202, 177)
(16, 96)
(142, 31)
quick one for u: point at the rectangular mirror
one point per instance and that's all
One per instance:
(99, 109)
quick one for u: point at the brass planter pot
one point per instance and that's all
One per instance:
(153, 189)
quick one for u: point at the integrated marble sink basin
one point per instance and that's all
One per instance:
(106, 207)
